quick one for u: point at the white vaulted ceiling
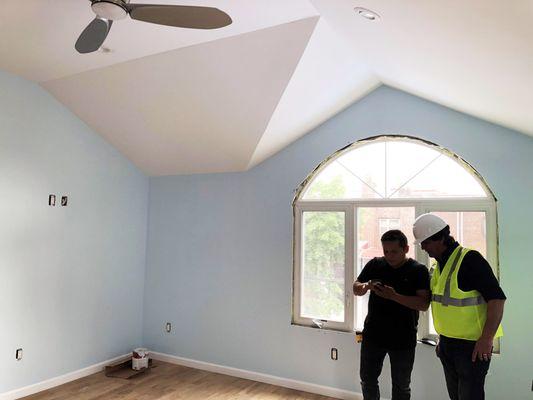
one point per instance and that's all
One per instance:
(179, 101)
(198, 109)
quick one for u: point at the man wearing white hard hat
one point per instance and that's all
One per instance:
(467, 306)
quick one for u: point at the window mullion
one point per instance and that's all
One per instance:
(349, 268)
(297, 276)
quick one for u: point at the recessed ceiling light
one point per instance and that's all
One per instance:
(366, 13)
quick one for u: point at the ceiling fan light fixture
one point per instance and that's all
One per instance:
(366, 13)
(179, 16)
(109, 9)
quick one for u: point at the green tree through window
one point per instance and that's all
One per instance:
(324, 257)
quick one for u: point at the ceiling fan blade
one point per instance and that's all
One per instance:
(180, 16)
(93, 35)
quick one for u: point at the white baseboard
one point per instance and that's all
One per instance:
(239, 373)
(259, 377)
(59, 380)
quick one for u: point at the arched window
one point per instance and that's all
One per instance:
(353, 197)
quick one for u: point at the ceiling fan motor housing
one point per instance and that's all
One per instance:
(110, 9)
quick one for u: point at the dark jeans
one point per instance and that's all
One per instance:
(464, 379)
(401, 362)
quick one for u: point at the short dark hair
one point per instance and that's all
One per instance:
(395, 235)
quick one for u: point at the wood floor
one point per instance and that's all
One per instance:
(170, 382)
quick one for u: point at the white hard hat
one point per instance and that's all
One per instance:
(426, 226)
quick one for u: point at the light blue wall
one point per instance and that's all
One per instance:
(219, 261)
(71, 278)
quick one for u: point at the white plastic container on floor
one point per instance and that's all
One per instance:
(139, 359)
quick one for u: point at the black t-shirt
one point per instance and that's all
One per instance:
(475, 273)
(388, 323)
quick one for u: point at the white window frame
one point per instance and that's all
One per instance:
(348, 271)
(350, 207)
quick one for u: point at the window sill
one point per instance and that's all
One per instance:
(323, 329)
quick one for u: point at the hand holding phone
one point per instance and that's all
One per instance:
(382, 290)
(375, 282)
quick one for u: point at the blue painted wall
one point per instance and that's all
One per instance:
(219, 258)
(71, 278)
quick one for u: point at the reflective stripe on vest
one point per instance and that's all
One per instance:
(447, 299)
(450, 301)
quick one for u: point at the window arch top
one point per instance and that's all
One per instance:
(394, 168)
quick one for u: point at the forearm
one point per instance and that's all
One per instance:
(414, 302)
(494, 318)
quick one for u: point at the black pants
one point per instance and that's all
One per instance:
(465, 379)
(401, 362)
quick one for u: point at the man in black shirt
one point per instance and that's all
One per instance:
(399, 289)
(467, 306)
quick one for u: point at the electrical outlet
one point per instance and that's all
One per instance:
(334, 354)
(168, 327)
(18, 354)
(64, 200)
(52, 200)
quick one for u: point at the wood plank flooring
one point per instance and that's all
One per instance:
(170, 382)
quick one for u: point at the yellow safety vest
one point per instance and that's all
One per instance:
(457, 314)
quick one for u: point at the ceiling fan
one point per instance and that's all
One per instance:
(107, 11)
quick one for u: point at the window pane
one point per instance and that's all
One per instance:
(323, 265)
(386, 224)
(394, 169)
(404, 161)
(367, 163)
(336, 182)
(370, 224)
(469, 229)
(444, 177)
(359, 174)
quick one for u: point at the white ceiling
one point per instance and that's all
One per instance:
(474, 56)
(156, 111)
(37, 36)
(179, 101)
